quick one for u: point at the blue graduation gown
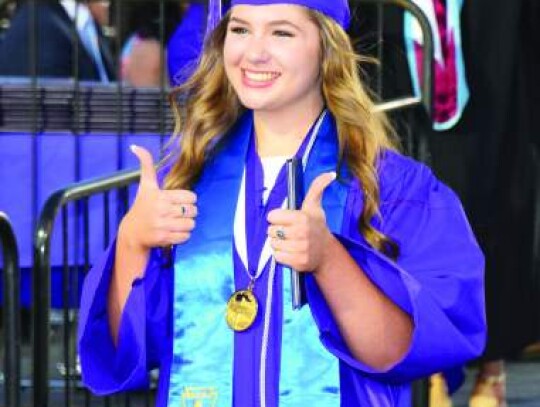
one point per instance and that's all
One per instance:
(437, 280)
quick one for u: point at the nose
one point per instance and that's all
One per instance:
(257, 51)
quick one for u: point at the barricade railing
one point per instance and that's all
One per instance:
(11, 313)
(418, 108)
(73, 205)
(426, 96)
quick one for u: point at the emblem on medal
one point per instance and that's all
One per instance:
(242, 309)
(199, 397)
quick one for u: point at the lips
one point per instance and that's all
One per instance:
(259, 78)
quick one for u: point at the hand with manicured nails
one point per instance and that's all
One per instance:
(157, 217)
(306, 233)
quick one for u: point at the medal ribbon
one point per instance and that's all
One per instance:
(255, 252)
(256, 211)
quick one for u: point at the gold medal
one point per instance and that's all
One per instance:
(242, 309)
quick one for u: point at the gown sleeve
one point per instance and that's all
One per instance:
(437, 278)
(107, 368)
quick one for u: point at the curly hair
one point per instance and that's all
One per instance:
(206, 107)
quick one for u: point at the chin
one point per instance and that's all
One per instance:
(254, 104)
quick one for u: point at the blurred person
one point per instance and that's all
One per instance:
(7, 7)
(142, 64)
(59, 48)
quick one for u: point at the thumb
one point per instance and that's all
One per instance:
(148, 172)
(316, 190)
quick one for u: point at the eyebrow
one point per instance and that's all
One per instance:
(271, 23)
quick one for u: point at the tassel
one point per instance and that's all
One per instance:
(214, 15)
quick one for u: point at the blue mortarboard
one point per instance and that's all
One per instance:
(335, 9)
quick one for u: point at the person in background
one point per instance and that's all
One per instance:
(7, 8)
(197, 281)
(61, 52)
(143, 57)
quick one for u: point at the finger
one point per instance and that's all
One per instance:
(183, 211)
(289, 260)
(277, 232)
(148, 171)
(283, 217)
(181, 225)
(178, 237)
(180, 196)
(285, 232)
(289, 246)
(316, 190)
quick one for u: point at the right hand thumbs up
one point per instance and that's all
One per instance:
(148, 171)
(157, 217)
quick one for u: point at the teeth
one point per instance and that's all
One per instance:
(260, 76)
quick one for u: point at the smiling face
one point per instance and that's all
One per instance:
(272, 58)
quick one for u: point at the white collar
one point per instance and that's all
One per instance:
(78, 12)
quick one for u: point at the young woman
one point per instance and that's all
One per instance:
(393, 274)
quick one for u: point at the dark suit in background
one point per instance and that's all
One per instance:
(59, 47)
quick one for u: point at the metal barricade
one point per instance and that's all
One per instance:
(11, 313)
(426, 97)
(75, 227)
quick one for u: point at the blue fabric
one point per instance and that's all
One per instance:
(305, 382)
(203, 343)
(337, 9)
(56, 166)
(454, 378)
(437, 280)
(184, 47)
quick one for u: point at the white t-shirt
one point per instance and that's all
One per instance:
(271, 167)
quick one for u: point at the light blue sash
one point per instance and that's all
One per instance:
(203, 344)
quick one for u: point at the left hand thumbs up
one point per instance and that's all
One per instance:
(314, 196)
(299, 237)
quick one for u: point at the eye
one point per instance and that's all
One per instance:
(283, 33)
(238, 30)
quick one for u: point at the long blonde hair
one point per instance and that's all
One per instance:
(206, 107)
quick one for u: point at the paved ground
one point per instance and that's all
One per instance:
(523, 390)
(523, 385)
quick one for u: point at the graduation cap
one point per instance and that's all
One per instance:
(338, 10)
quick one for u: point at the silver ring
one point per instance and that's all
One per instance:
(280, 234)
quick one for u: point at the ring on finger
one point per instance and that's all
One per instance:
(280, 234)
(183, 210)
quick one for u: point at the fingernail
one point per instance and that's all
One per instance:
(133, 147)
